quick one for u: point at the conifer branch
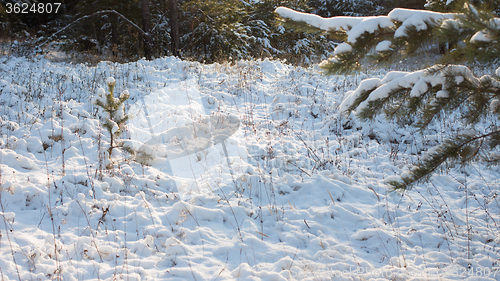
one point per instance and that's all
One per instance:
(300, 26)
(458, 149)
(423, 95)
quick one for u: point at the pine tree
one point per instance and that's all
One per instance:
(245, 29)
(424, 96)
(271, 39)
(331, 8)
(216, 29)
(174, 27)
(113, 27)
(114, 108)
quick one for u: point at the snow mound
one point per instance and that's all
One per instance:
(256, 175)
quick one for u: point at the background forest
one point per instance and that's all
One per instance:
(199, 30)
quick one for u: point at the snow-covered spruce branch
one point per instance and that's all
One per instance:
(424, 93)
(421, 96)
(487, 27)
(92, 15)
(479, 30)
(401, 32)
(388, 35)
(461, 150)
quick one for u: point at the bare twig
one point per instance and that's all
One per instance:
(63, 148)
(8, 237)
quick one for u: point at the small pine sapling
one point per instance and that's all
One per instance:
(115, 109)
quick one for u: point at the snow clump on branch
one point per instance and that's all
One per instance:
(356, 26)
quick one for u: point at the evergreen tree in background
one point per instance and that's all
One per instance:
(174, 27)
(295, 45)
(191, 29)
(217, 29)
(23, 27)
(30, 20)
(450, 6)
(331, 8)
(107, 31)
(246, 30)
(422, 97)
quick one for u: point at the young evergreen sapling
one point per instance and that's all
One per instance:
(114, 107)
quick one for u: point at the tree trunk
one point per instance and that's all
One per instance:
(146, 27)
(114, 34)
(174, 27)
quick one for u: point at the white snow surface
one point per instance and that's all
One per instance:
(302, 195)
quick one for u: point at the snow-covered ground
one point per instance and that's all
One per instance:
(302, 195)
